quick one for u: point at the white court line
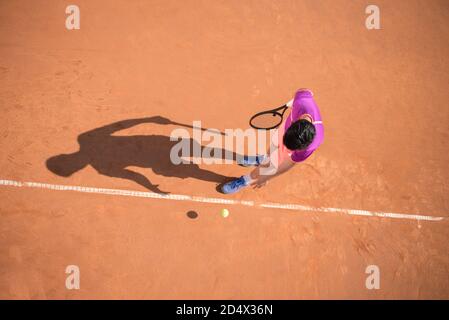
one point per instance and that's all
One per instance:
(179, 197)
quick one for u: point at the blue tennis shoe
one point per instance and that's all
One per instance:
(234, 185)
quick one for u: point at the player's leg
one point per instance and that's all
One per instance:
(258, 176)
(277, 161)
(263, 158)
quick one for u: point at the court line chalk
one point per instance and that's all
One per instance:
(179, 197)
(352, 212)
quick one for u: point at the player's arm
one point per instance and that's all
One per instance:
(274, 171)
(284, 166)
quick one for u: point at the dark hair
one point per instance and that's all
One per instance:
(299, 135)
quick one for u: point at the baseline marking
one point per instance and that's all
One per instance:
(179, 197)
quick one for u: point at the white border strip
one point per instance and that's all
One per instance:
(179, 197)
(353, 212)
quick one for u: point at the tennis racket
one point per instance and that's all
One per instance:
(267, 120)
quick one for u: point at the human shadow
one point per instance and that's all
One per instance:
(111, 155)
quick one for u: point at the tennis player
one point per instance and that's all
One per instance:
(298, 136)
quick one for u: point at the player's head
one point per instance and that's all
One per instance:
(65, 165)
(299, 135)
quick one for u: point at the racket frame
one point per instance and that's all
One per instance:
(277, 111)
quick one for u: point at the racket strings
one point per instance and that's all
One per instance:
(267, 120)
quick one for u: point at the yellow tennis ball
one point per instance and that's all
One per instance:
(224, 213)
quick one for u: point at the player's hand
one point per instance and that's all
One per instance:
(259, 185)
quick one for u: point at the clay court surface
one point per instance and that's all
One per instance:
(383, 97)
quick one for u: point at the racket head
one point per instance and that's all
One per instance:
(266, 120)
